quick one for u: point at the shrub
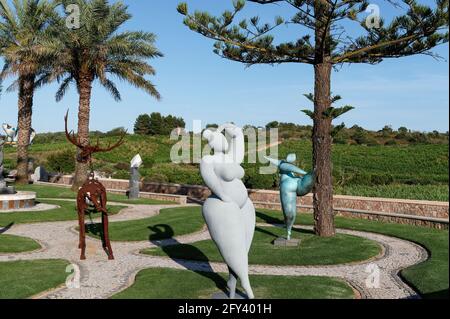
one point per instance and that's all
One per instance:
(381, 179)
(254, 180)
(390, 143)
(61, 162)
(121, 174)
(122, 166)
(360, 178)
(156, 178)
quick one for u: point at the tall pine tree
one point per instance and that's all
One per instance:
(326, 42)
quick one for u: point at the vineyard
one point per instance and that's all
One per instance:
(418, 171)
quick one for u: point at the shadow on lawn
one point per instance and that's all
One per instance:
(6, 228)
(269, 219)
(182, 254)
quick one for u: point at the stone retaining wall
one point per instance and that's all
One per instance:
(416, 212)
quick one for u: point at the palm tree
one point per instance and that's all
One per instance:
(97, 51)
(22, 29)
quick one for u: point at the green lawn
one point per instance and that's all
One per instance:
(313, 250)
(23, 279)
(429, 278)
(421, 192)
(16, 244)
(67, 211)
(44, 191)
(169, 223)
(163, 283)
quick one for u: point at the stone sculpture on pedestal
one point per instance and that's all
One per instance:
(229, 212)
(292, 186)
(135, 177)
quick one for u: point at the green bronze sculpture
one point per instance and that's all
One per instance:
(291, 186)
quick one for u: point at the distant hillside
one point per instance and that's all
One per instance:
(416, 171)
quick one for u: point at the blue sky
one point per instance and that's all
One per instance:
(198, 85)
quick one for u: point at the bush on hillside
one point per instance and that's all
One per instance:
(61, 162)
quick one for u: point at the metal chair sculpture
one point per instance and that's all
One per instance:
(92, 192)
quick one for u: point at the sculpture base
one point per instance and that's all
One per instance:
(283, 242)
(222, 295)
(17, 201)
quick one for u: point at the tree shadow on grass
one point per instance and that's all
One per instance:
(6, 228)
(163, 236)
(269, 219)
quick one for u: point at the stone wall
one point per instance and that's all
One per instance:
(416, 212)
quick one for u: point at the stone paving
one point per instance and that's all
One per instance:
(100, 278)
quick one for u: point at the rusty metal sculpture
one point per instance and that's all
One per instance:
(92, 192)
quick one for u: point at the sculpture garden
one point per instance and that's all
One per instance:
(92, 215)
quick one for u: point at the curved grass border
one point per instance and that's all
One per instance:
(169, 223)
(429, 278)
(36, 276)
(312, 251)
(11, 244)
(202, 285)
(66, 212)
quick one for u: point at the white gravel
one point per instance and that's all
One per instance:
(101, 278)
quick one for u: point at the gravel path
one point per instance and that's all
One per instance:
(100, 278)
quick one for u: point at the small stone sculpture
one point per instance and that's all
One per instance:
(292, 186)
(135, 177)
(229, 212)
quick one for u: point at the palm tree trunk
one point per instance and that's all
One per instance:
(85, 89)
(25, 112)
(322, 140)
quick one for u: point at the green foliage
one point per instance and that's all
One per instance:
(118, 131)
(156, 124)
(273, 124)
(142, 125)
(61, 162)
(100, 49)
(254, 180)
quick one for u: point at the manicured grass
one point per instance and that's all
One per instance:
(429, 278)
(23, 279)
(163, 283)
(313, 250)
(16, 244)
(421, 192)
(170, 223)
(67, 211)
(44, 191)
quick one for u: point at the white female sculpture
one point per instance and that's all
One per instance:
(229, 212)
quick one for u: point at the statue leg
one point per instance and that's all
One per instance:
(232, 281)
(289, 204)
(106, 235)
(82, 236)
